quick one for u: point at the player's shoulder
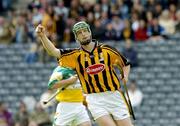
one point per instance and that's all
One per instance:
(68, 51)
(107, 47)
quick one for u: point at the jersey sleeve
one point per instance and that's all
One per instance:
(67, 73)
(54, 78)
(68, 58)
(116, 55)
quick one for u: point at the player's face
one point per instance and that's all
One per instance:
(83, 36)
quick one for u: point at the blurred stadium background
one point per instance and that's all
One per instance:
(146, 31)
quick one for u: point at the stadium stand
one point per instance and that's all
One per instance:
(158, 78)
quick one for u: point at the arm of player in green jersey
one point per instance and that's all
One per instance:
(62, 83)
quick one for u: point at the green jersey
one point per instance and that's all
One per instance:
(60, 73)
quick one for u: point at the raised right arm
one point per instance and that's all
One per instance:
(47, 44)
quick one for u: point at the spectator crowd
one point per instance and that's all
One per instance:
(117, 20)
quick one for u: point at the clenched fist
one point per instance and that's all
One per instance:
(40, 30)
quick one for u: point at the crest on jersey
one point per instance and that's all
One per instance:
(95, 69)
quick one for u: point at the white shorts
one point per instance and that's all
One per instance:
(70, 114)
(107, 103)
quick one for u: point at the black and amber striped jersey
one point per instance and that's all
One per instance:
(95, 69)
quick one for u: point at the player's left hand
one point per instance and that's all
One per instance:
(124, 80)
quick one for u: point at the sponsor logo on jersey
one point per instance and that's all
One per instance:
(95, 69)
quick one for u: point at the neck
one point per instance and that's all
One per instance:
(88, 47)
